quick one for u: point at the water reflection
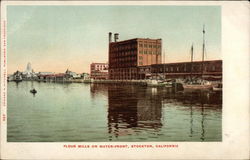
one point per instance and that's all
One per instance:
(202, 123)
(79, 112)
(136, 109)
(98, 89)
(17, 83)
(130, 108)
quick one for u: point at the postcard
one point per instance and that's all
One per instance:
(124, 80)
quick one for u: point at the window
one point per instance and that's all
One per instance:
(145, 52)
(145, 45)
(140, 63)
(140, 57)
(140, 45)
(213, 68)
(141, 52)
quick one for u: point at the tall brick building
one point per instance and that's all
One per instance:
(126, 56)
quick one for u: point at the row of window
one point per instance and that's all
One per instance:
(149, 52)
(124, 53)
(123, 70)
(145, 70)
(124, 77)
(128, 53)
(99, 65)
(134, 46)
(125, 64)
(145, 45)
(124, 47)
(123, 59)
(123, 73)
(177, 69)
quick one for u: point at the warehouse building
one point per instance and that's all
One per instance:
(212, 70)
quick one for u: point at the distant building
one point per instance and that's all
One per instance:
(85, 76)
(70, 74)
(43, 75)
(126, 56)
(29, 73)
(17, 76)
(99, 70)
(51, 77)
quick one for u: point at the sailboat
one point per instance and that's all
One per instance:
(200, 84)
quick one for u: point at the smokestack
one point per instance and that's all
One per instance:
(110, 37)
(116, 37)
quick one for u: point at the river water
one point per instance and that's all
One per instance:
(78, 112)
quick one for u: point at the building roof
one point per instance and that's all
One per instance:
(134, 39)
(55, 75)
(45, 73)
(189, 62)
(94, 63)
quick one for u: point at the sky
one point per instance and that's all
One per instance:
(57, 38)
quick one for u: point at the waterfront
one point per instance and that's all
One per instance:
(110, 112)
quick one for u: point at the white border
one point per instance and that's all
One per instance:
(235, 52)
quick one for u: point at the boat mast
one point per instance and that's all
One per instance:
(192, 54)
(163, 56)
(164, 70)
(203, 51)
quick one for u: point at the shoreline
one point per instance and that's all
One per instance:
(142, 82)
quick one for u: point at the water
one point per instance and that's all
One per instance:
(78, 112)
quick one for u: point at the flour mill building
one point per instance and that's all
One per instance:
(126, 56)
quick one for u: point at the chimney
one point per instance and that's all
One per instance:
(110, 37)
(116, 37)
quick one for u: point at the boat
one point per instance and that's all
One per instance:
(155, 83)
(33, 91)
(159, 83)
(204, 85)
(217, 87)
(198, 84)
(168, 83)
